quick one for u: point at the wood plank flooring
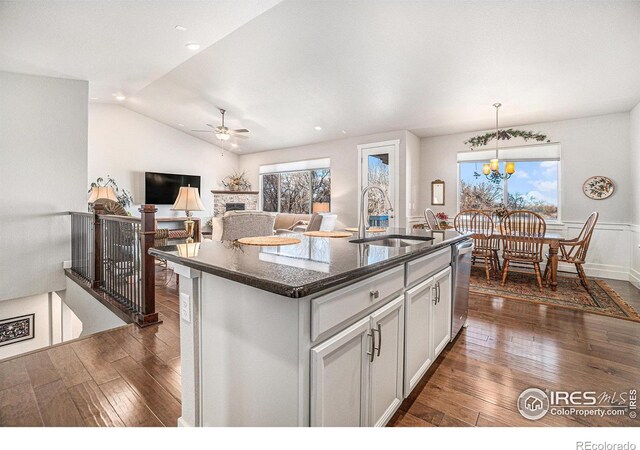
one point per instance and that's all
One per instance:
(123, 377)
(131, 376)
(510, 346)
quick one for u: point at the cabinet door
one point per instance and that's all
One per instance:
(340, 376)
(441, 311)
(418, 348)
(387, 327)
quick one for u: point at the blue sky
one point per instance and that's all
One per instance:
(535, 179)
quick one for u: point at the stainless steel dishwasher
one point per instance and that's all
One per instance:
(461, 265)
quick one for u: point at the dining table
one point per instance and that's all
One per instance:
(549, 238)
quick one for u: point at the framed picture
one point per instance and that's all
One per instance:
(17, 329)
(598, 187)
(437, 193)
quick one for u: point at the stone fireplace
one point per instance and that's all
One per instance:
(222, 198)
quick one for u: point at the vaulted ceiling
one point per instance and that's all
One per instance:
(347, 67)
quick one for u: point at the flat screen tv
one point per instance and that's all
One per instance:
(162, 188)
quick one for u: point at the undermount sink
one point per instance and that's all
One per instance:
(393, 241)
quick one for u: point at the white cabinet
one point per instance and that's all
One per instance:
(441, 311)
(339, 378)
(418, 354)
(356, 376)
(427, 325)
(387, 325)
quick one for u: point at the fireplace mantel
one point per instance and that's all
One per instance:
(236, 192)
(222, 197)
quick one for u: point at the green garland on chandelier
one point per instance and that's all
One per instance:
(484, 139)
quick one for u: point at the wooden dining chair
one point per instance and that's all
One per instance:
(574, 251)
(431, 219)
(481, 225)
(522, 239)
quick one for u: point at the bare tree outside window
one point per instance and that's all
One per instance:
(270, 192)
(297, 192)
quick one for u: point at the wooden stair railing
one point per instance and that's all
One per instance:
(110, 258)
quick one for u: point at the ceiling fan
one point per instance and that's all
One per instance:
(223, 133)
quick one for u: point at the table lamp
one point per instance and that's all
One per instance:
(102, 192)
(188, 200)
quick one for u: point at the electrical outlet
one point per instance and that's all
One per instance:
(185, 307)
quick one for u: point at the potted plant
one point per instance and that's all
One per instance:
(443, 219)
(236, 182)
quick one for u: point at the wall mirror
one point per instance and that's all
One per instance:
(437, 192)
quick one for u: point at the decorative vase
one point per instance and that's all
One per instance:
(234, 187)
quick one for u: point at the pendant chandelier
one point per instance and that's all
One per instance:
(491, 170)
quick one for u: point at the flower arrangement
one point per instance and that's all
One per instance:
(443, 218)
(124, 197)
(236, 182)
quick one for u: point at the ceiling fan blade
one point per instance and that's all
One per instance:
(203, 131)
(209, 125)
(240, 130)
(240, 136)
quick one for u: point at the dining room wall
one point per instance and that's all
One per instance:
(634, 147)
(598, 145)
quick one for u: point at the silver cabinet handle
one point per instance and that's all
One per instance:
(434, 292)
(372, 346)
(379, 330)
(438, 288)
(374, 293)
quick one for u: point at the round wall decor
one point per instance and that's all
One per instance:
(598, 187)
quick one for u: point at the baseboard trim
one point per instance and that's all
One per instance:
(182, 423)
(599, 271)
(634, 278)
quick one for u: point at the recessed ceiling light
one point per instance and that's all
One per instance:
(180, 28)
(120, 97)
(180, 124)
(192, 46)
(344, 131)
(234, 145)
(318, 127)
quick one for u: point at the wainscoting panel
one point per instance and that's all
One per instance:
(614, 251)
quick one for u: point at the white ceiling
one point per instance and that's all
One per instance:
(119, 46)
(433, 67)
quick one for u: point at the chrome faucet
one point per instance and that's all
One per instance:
(364, 217)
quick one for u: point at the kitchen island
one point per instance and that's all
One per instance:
(326, 332)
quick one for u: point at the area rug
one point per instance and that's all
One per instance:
(570, 294)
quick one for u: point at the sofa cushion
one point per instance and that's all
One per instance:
(285, 221)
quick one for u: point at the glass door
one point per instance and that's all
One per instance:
(378, 167)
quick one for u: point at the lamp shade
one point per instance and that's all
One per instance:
(188, 200)
(102, 192)
(494, 164)
(510, 168)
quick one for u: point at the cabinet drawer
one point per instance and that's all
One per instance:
(338, 307)
(421, 268)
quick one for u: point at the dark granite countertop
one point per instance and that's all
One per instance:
(314, 265)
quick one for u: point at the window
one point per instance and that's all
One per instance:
(296, 191)
(534, 185)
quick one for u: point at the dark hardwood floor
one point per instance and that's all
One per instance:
(131, 376)
(510, 346)
(123, 377)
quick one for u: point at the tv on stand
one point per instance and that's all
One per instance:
(162, 188)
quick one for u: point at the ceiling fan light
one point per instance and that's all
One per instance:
(223, 136)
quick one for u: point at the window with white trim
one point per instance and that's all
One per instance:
(299, 187)
(534, 186)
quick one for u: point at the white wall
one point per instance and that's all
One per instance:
(634, 128)
(590, 146)
(344, 169)
(125, 145)
(34, 304)
(43, 175)
(93, 315)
